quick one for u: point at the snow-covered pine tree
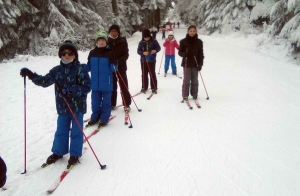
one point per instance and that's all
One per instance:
(277, 17)
(291, 28)
(260, 15)
(211, 18)
(133, 13)
(18, 20)
(183, 11)
(69, 20)
(122, 12)
(151, 8)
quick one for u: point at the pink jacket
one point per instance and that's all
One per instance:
(170, 46)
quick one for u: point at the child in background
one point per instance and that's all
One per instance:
(153, 31)
(163, 32)
(170, 44)
(147, 48)
(191, 51)
(101, 64)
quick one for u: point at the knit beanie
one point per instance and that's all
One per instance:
(146, 33)
(101, 34)
(114, 26)
(171, 33)
(70, 46)
(3, 170)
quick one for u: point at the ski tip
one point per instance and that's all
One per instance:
(102, 166)
(44, 165)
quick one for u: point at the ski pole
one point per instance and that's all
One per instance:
(151, 76)
(128, 91)
(81, 129)
(161, 61)
(207, 98)
(24, 126)
(143, 74)
(184, 80)
(130, 126)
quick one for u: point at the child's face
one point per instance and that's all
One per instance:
(114, 33)
(67, 55)
(192, 32)
(170, 37)
(101, 43)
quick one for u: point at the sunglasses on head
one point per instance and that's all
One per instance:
(69, 53)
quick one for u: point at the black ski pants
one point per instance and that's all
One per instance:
(148, 68)
(123, 83)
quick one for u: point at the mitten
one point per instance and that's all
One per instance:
(116, 67)
(26, 72)
(199, 68)
(65, 91)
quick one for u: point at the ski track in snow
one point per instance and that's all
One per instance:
(243, 141)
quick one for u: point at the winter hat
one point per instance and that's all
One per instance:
(2, 173)
(70, 46)
(146, 33)
(116, 27)
(101, 34)
(171, 33)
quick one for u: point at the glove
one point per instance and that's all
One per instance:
(27, 72)
(115, 66)
(65, 92)
(199, 68)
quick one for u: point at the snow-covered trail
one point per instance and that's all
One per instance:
(243, 141)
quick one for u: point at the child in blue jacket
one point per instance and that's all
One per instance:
(101, 64)
(72, 84)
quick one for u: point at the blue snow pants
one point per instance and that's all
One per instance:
(171, 58)
(62, 135)
(101, 105)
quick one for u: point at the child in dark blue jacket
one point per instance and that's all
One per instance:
(72, 84)
(101, 65)
(147, 48)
